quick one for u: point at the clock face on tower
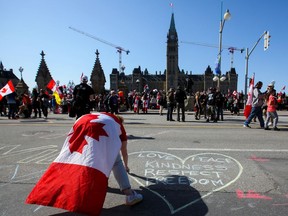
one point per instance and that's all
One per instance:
(172, 37)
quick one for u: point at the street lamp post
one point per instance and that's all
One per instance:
(21, 70)
(218, 80)
(226, 16)
(137, 83)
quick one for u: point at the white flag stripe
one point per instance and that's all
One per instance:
(95, 153)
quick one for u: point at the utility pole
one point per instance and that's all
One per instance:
(247, 60)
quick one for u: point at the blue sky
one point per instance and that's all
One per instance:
(28, 27)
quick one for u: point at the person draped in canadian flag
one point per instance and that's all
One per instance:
(77, 179)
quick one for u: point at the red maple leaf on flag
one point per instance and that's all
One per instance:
(84, 127)
(4, 90)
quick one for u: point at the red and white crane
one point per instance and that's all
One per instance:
(118, 48)
(230, 48)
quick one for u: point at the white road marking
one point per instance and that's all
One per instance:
(228, 150)
(15, 173)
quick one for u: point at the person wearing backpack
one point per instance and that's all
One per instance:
(211, 105)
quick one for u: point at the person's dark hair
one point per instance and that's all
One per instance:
(258, 84)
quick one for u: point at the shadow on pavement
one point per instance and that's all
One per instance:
(162, 199)
(131, 137)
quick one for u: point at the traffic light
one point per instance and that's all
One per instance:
(267, 37)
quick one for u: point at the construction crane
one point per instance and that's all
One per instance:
(118, 48)
(229, 48)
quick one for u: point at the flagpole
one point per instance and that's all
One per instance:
(172, 8)
(246, 74)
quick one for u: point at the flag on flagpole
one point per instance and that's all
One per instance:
(56, 91)
(7, 89)
(248, 106)
(283, 89)
(217, 66)
(52, 85)
(77, 179)
(57, 97)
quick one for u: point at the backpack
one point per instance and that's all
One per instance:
(211, 99)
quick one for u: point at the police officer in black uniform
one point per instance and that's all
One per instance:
(82, 95)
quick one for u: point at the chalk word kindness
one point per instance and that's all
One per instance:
(204, 172)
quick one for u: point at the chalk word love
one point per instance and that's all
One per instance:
(204, 172)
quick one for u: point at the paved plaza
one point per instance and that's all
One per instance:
(181, 168)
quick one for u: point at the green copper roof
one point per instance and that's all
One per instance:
(172, 23)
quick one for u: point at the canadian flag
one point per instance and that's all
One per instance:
(7, 89)
(52, 85)
(248, 106)
(56, 91)
(77, 179)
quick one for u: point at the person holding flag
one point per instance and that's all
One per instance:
(77, 180)
(9, 91)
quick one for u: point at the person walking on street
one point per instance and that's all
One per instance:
(271, 110)
(180, 97)
(211, 105)
(170, 104)
(257, 101)
(82, 95)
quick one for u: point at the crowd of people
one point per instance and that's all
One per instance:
(208, 105)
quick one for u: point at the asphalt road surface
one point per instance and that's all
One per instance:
(181, 168)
